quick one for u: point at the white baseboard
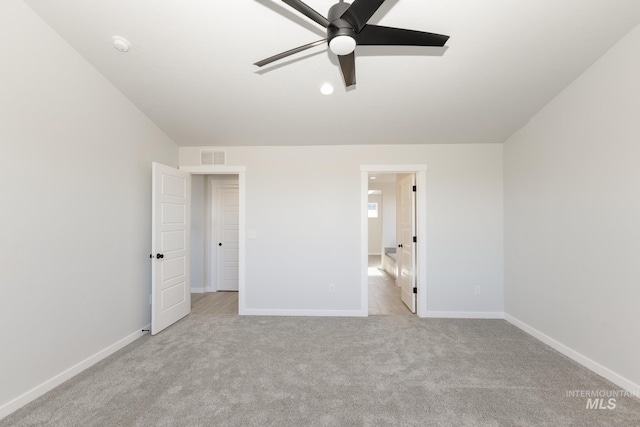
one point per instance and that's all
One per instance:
(465, 314)
(52, 383)
(603, 371)
(365, 313)
(197, 290)
(304, 313)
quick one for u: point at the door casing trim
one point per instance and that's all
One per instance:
(421, 231)
(242, 190)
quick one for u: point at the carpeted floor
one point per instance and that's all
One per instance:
(376, 371)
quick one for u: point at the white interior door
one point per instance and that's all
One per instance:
(171, 213)
(406, 245)
(228, 238)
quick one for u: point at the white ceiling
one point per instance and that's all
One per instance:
(190, 67)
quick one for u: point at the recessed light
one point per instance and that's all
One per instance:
(121, 44)
(326, 89)
(373, 177)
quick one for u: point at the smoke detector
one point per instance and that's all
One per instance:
(121, 44)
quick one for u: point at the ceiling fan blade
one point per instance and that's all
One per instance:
(308, 12)
(388, 36)
(348, 68)
(288, 53)
(359, 13)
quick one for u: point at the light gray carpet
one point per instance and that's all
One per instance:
(283, 371)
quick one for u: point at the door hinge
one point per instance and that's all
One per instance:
(415, 188)
(415, 239)
(415, 290)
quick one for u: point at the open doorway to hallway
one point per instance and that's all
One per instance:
(215, 244)
(384, 225)
(418, 243)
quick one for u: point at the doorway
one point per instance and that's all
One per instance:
(231, 182)
(384, 222)
(222, 233)
(172, 245)
(215, 244)
(379, 269)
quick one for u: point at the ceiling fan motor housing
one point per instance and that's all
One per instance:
(339, 27)
(337, 10)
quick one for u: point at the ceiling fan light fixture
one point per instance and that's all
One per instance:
(342, 45)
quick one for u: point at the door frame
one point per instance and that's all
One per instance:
(421, 231)
(241, 172)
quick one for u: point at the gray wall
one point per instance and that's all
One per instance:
(572, 217)
(304, 204)
(75, 165)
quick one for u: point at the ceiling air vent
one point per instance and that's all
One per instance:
(209, 157)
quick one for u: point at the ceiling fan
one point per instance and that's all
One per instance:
(347, 27)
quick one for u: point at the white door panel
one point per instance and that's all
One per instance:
(231, 198)
(173, 214)
(228, 238)
(230, 273)
(231, 218)
(173, 268)
(175, 186)
(231, 255)
(173, 241)
(173, 296)
(407, 276)
(171, 205)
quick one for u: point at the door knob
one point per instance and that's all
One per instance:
(219, 244)
(400, 245)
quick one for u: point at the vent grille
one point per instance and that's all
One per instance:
(206, 157)
(219, 158)
(210, 157)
